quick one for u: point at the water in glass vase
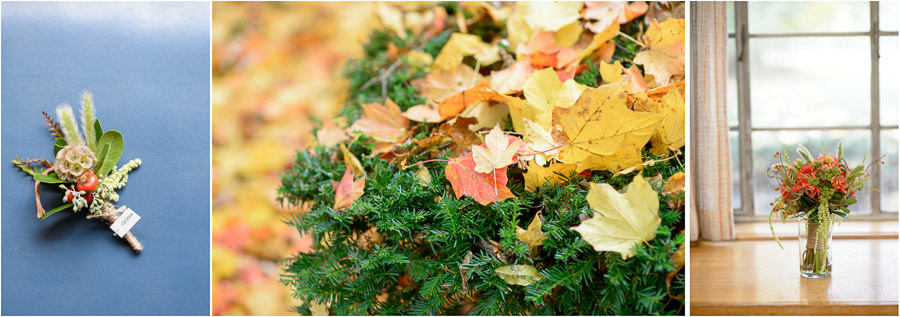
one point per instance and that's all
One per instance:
(815, 246)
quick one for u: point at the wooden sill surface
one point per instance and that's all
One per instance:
(847, 229)
(756, 277)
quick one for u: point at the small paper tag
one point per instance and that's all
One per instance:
(127, 220)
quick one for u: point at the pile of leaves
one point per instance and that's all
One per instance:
(500, 161)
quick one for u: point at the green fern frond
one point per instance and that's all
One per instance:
(69, 126)
(87, 120)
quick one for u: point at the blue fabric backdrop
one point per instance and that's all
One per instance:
(147, 65)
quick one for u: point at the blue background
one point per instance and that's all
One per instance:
(148, 68)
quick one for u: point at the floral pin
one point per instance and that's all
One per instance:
(84, 166)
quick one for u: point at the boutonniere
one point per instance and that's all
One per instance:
(84, 169)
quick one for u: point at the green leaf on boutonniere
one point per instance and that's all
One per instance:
(50, 178)
(110, 145)
(55, 210)
(59, 145)
(98, 129)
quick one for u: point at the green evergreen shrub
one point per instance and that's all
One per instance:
(435, 254)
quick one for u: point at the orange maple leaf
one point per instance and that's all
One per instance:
(453, 106)
(485, 188)
(383, 123)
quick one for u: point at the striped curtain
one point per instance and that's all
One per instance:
(711, 214)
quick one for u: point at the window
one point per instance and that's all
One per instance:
(807, 73)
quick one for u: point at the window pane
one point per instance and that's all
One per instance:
(805, 82)
(730, 16)
(735, 170)
(731, 96)
(889, 201)
(889, 80)
(793, 17)
(888, 14)
(766, 143)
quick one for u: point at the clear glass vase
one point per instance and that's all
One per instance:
(815, 246)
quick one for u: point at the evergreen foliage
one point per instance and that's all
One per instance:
(433, 253)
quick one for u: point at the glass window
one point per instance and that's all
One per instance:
(812, 88)
(731, 96)
(889, 173)
(889, 80)
(807, 17)
(810, 81)
(888, 14)
(735, 169)
(730, 8)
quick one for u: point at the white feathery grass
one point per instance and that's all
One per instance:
(69, 126)
(87, 120)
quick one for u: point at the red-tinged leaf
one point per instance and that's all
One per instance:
(542, 60)
(485, 188)
(453, 106)
(347, 190)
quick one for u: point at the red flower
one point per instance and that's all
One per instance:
(806, 170)
(839, 183)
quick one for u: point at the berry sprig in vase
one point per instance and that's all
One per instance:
(815, 191)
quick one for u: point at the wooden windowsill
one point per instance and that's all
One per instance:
(847, 229)
(756, 277)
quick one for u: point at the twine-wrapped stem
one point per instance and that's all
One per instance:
(110, 215)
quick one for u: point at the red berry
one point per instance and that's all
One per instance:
(89, 198)
(68, 197)
(87, 182)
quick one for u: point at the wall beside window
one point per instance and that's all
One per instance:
(808, 73)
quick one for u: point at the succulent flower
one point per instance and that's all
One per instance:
(73, 160)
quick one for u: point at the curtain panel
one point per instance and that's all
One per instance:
(712, 217)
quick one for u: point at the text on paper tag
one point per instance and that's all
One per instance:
(127, 220)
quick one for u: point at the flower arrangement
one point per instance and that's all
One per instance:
(84, 167)
(816, 189)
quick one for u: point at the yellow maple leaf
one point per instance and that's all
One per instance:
(569, 34)
(427, 112)
(424, 175)
(539, 140)
(611, 73)
(440, 84)
(497, 151)
(670, 134)
(621, 221)
(543, 91)
(598, 41)
(511, 79)
(664, 56)
(612, 12)
(330, 134)
(486, 113)
(383, 123)
(551, 15)
(351, 161)
(523, 275)
(392, 18)
(532, 237)
(461, 45)
(518, 29)
(537, 175)
(599, 132)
